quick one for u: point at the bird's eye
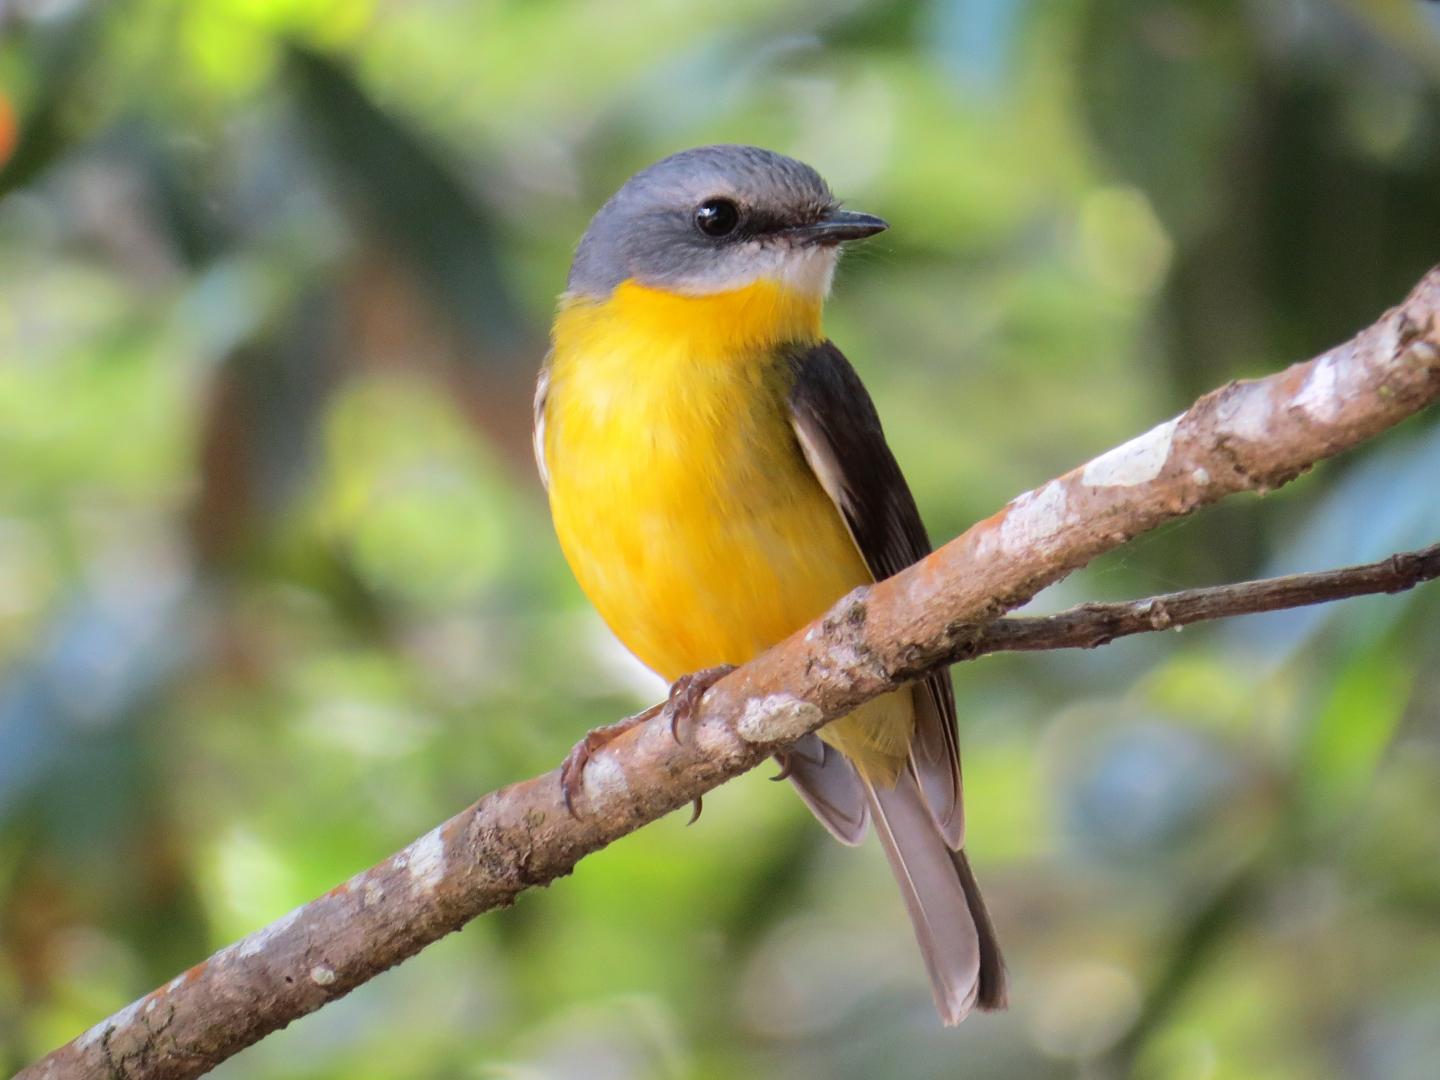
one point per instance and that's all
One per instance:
(717, 217)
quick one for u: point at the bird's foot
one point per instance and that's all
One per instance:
(572, 770)
(684, 699)
(678, 708)
(686, 693)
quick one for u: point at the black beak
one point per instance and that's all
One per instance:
(837, 226)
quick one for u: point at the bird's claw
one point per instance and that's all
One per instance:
(787, 766)
(686, 693)
(572, 770)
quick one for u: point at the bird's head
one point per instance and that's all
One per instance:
(717, 219)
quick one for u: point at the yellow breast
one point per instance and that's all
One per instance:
(679, 493)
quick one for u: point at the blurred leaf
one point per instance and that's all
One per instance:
(412, 495)
(1342, 750)
(258, 441)
(395, 184)
(1377, 506)
(64, 56)
(1162, 84)
(1199, 935)
(172, 188)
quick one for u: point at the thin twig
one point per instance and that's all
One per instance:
(1090, 625)
(1248, 436)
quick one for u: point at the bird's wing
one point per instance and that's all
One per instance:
(537, 435)
(840, 435)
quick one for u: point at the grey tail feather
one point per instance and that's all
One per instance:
(830, 787)
(935, 757)
(994, 992)
(951, 924)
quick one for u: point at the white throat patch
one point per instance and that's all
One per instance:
(807, 270)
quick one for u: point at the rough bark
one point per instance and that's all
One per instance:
(1247, 436)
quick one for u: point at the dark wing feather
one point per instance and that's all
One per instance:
(537, 432)
(840, 435)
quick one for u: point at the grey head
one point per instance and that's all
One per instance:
(717, 218)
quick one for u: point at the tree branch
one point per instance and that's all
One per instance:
(1090, 625)
(1252, 435)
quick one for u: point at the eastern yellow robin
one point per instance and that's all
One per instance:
(718, 478)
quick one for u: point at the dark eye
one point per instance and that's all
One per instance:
(717, 217)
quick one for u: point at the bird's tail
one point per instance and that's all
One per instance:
(952, 926)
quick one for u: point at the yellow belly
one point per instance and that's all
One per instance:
(686, 509)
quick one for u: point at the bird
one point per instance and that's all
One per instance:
(718, 477)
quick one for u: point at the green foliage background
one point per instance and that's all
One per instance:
(278, 590)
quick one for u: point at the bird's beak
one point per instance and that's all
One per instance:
(838, 226)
